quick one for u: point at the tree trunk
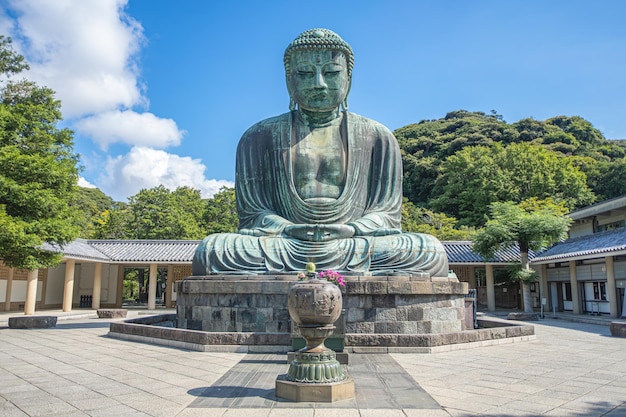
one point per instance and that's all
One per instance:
(528, 302)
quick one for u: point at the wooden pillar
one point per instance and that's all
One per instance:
(152, 283)
(575, 290)
(491, 291)
(611, 288)
(543, 280)
(31, 292)
(68, 291)
(168, 286)
(7, 296)
(97, 286)
(472, 277)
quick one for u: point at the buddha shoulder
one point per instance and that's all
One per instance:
(369, 124)
(269, 125)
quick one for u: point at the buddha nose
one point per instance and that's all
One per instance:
(319, 80)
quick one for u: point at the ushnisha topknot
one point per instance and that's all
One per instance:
(319, 39)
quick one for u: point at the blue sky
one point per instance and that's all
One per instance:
(159, 92)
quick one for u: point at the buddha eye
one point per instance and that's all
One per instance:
(306, 74)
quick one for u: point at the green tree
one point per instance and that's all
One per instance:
(475, 177)
(606, 178)
(114, 223)
(38, 170)
(530, 225)
(422, 220)
(91, 203)
(220, 215)
(158, 213)
(425, 145)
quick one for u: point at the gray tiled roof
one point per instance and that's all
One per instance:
(181, 251)
(166, 251)
(595, 244)
(460, 252)
(79, 248)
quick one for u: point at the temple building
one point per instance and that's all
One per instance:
(586, 274)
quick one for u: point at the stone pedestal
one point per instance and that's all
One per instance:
(303, 392)
(375, 308)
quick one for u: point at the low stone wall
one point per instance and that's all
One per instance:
(373, 305)
(618, 328)
(32, 322)
(112, 313)
(157, 330)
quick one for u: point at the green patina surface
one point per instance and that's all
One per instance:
(319, 184)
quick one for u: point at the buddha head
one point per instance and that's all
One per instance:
(318, 71)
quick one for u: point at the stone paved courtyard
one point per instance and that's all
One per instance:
(571, 369)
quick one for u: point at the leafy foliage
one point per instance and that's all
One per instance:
(461, 163)
(158, 213)
(532, 224)
(38, 173)
(475, 177)
(92, 204)
(421, 220)
(517, 273)
(220, 215)
(113, 223)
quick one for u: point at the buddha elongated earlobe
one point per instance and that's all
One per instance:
(292, 104)
(344, 104)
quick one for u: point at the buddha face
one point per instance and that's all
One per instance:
(318, 79)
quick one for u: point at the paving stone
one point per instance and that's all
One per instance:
(574, 369)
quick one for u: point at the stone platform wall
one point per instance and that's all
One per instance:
(373, 305)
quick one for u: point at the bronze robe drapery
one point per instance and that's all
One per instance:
(267, 202)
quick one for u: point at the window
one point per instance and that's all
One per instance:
(609, 226)
(599, 291)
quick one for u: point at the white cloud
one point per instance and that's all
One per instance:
(83, 50)
(143, 167)
(84, 183)
(141, 129)
(87, 52)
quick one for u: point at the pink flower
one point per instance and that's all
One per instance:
(334, 277)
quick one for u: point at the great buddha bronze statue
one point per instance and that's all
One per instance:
(319, 184)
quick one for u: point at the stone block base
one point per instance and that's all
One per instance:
(32, 322)
(618, 328)
(523, 316)
(308, 392)
(112, 313)
(372, 305)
